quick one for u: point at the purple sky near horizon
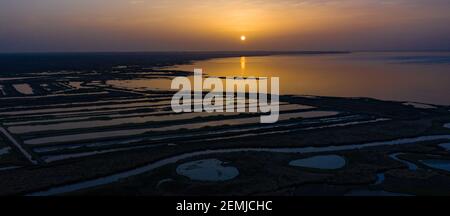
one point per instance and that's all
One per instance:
(174, 25)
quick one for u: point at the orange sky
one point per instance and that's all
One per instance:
(150, 25)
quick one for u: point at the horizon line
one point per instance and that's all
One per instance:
(226, 51)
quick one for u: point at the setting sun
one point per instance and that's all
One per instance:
(243, 38)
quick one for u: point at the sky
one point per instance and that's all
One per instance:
(217, 25)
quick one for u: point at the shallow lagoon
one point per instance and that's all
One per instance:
(326, 162)
(400, 76)
(438, 164)
(24, 89)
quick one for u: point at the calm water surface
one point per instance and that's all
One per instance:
(420, 76)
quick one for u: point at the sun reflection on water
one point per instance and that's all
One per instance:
(243, 63)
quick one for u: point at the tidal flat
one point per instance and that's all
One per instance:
(98, 129)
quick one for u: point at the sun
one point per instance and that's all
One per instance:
(243, 38)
